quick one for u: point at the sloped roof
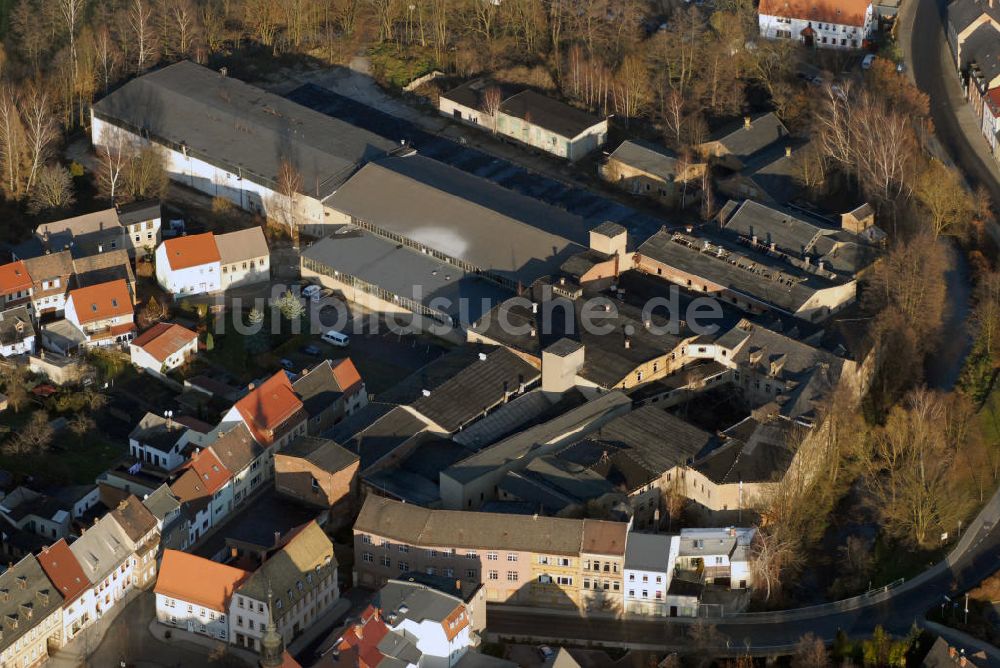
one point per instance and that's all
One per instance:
(236, 448)
(268, 408)
(321, 386)
(134, 518)
(102, 268)
(742, 141)
(191, 251)
(647, 157)
(14, 277)
(101, 549)
(321, 452)
(32, 598)
(241, 127)
(242, 245)
(545, 112)
(164, 339)
(15, 325)
(59, 563)
(841, 12)
(197, 580)
(102, 301)
(203, 476)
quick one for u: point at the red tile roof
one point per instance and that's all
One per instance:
(14, 277)
(64, 570)
(993, 97)
(164, 339)
(203, 477)
(102, 301)
(346, 374)
(359, 644)
(191, 251)
(841, 12)
(268, 407)
(197, 580)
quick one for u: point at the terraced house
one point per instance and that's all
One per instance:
(523, 559)
(30, 615)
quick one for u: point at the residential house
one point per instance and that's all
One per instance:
(17, 332)
(436, 624)
(826, 24)
(163, 347)
(649, 560)
(89, 234)
(733, 146)
(140, 526)
(79, 600)
(31, 614)
(141, 222)
(293, 588)
(519, 559)
(15, 284)
(273, 414)
(991, 119)
(641, 168)
(330, 391)
(717, 556)
(244, 458)
(38, 513)
(194, 593)
(528, 117)
(205, 487)
(602, 562)
(50, 276)
(171, 516)
(159, 441)
(972, 25)
(318, 472)
(104, 268)
(103, 312)
(79, 499)
(202, 130)
(244, 257)
(189, 265)
(104, 554)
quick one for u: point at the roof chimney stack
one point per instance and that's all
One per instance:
(788, 149)
(747, 123)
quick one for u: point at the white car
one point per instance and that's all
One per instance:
(310, 290)
(335, 338)
(867, 61)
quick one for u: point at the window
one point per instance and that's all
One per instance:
(449, 572)
(586, 583)
(431, 570)
(631, 592)
(493, 575)
(366, 539)
(404, 548)
(564, 580)
(471, 554)
(718, 561)
(512, 576)
(367, 557)
(491, 556)
(563, 561)
(543, 560)
(511, 556)
(239, 620)
(645, 593)
(385, 561)
(471, 574)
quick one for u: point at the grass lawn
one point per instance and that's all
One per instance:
(70, 461)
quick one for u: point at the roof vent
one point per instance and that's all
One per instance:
(482, 357)
(426, 393)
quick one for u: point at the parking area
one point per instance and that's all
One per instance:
(592, 207)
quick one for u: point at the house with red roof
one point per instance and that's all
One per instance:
(330, 391)
(206, 486)
(162, 347)
(193, 593)
(15, 284)
(825, 24)
(66, 574)
(102, 312)
(189, 265)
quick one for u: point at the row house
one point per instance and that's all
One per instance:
(159, 441)
(50, 281)
(106, 555)
(172, 520)
(103, 313)
(272, 412)
(79, 607)
(293, 588)
(30, 615)
(206, 263)
(194, 593)
(142, 531)
(17, 332)
(141, 223)
(244, 458)
(15, 284)
(131, 227)
(330, 391)
(205, 486)
(521, 559)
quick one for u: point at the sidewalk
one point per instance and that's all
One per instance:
(215, 647)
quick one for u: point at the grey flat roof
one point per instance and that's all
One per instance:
(650, 158)
(238, 126)
(686, 254)
(462, 216)
(406, 272)
(242, 245)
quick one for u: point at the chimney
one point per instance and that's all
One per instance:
(753, 240)
(788, 149)
(534, 307)
(250, 387)
(732, 532)
(773, 246)
(746, 122)
(628, 343)
(562, 280)
(689, 228)
(963, 661)
(458, 585)
(951, 651)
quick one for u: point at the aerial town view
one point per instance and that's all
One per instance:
(498, 333)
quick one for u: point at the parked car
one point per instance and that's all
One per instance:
(868, 61)
(335, 338)
(901, 67)
(311, 350)
(287, 364)
(545, 652)
(311, 290)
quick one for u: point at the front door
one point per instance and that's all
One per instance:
(673, 611)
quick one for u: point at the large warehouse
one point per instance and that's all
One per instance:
(227, 138)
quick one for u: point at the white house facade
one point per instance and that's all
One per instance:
(845, 25)
(189, 265)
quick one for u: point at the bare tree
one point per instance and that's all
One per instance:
(945, 198)
(34, 437)
(53, 190)
(289, 185)
(810, 653)
(492, 99)
(140, 15)
(115, 151)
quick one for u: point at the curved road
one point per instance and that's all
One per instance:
(976, 556)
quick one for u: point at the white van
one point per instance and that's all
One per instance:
(867, 61)
(335, 338)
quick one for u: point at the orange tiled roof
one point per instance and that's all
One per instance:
(14, 277)
(841, 12)
(197, 580)
(191, 251)
(346, 374)
(164, 339)
(64, 570)
(203, 477)
(266, 408)
(102, 301)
